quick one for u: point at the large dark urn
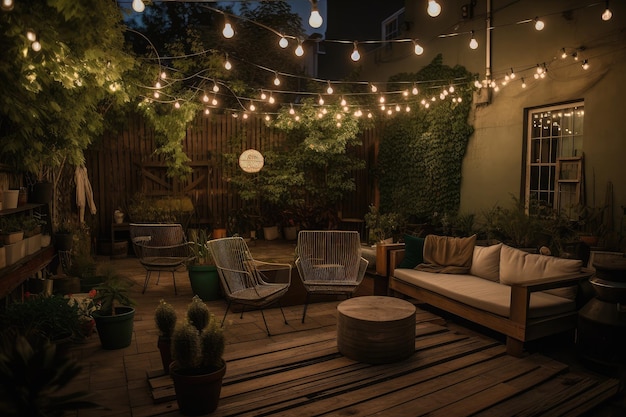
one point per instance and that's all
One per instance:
(602, 321)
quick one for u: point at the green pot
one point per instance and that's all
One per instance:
(205, 282)
(115, 332)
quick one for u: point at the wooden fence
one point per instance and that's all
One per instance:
(124, 164)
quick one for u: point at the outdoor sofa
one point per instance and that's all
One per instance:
(521, 295)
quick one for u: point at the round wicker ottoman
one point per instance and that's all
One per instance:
(376, 329)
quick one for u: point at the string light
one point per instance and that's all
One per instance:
(321, 101)
(228, 31)
(207, 112)
(433, 9)
(373, 88)
(563, 54)
(291, 110)
(177, 104)
(216, 88)
(417, 48)
(415, 91)
(512, 74)
(523, 83)
(263, 95)
(585, 65)
(343, 101)
(473, 42)
(205, 98)
(214, 101)
(30, 35)
(36, 46)
(299, 49)
(283, 42)
(607, 14)
(539, 25)
(7, 5)
(271, 99)
(138, 6)
(276, 79)
(329, 90)
(315, 20)
(355, 56)
(227, 64)
(252, 106)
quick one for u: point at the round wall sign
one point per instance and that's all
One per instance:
(251, 160)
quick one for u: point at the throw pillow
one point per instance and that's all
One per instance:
(413, 252)
(517, 266)
(448, 255)
(486, 262)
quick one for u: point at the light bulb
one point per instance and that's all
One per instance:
(374, 88)
(228, 31)
(207, 112)
(205, 98)
(7, 5)
(473, 42)
(321, 101)
(512, 74)
(272, 100)
(177, 105)
(228, 65)
(263, 95)
(214, 101)
(343, 101)
(138, 6)
(329, 90)
(434, 8)
(355, 54)
(30, 35)
(216, 88)
(418, 49)
(607, 14)
(163, 75)
(563, 54)
(415, 91)
(539, 25)
(283, 42)
(585, 65)
(157, 85)
(299, 50)
(291, 110)
(276, 80)
(252, 107)
(36, 46)
(381, 99)
(315, 20)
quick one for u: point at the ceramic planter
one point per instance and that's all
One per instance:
(15, 252)
(33, 244)
(9, 199)
(271, 233)
(204, 281)
(14, 237)
(115, 332)
(197, 394)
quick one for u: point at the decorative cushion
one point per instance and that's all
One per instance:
(413, 252)
(517, 266)
(486, 262)
(447, 254)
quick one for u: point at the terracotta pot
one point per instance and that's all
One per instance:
(197, 394)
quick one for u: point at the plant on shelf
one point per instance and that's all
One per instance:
(11, 228)
(198, 366)
(165, 319)
(114, 319)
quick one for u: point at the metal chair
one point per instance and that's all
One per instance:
(329, 262)
(160, 247)
(246, 281)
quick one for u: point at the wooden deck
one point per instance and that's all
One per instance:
(450, 374)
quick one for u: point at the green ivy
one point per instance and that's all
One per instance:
(421, 152)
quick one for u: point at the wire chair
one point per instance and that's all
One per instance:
(247, 281)
(160, 248)
(329, 262)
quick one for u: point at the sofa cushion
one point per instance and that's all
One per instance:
(486, 262)
(518, 267)
(447, 254)
(413, 252)
(483, 294)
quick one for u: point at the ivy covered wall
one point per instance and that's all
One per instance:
(421, 152)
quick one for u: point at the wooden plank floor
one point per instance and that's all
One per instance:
(450, 374)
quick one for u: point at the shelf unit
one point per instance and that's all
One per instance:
(13, 276)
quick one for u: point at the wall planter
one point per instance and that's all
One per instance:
(205, 282)
(9, 199)
(14, 237)
(271, 233)
(15, 252)
(197, 394)
(115, 332)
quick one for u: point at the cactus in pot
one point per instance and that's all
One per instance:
(198, 367)
(165, 319)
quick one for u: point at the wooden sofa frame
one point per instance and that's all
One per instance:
(517, 328)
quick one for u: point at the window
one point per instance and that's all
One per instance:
(392, 26)
(552, 133)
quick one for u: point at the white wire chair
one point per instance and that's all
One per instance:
(160, 248)
(246, 281)
(329, 262)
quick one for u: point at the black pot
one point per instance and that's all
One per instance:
(115, 332)
(197, 394)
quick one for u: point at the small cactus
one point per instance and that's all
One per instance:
(198, 313)
(165, 318)
(198, 347)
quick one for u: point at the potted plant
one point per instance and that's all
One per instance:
(64, 235)
(114, 319)
(198, 366)
(201, 269)
(382, 226)
(13, 238)
(165, 319)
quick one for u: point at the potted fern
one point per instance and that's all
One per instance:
(198, 367)
(114, 319)
(165, 319)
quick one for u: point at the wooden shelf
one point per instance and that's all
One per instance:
(14, 275)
